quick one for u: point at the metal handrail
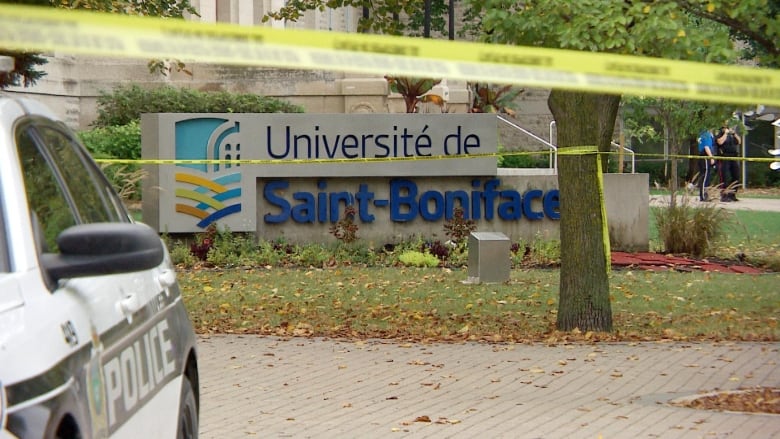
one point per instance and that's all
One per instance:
(553, 148)
(631, 151)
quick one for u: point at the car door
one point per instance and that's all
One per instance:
(130, 356)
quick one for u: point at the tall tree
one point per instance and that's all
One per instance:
(660, 29)
(26, 64)
(696, 30)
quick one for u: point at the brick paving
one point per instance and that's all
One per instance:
(255, 386)
(317, 388)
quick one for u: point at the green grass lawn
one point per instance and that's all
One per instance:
(743, 227)
(754, 234)
(434, 304)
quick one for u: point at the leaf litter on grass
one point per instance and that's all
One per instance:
(433, 305)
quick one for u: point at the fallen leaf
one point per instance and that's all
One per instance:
(418, 363)
(422, 419)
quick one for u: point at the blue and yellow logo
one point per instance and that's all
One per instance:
(208, 192)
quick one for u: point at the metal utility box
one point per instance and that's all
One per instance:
(489, 257)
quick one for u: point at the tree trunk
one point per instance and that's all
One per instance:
(583, 120)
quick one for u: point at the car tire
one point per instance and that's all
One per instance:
(188, 412)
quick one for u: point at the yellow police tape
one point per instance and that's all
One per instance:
(102, 34)
(604, 224)
(563, 151)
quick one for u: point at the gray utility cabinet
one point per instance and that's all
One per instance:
(489, 257)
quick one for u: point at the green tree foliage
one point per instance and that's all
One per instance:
(390, 17)
(755, 23)
(25, 70)
(695, 30)
(689, 30)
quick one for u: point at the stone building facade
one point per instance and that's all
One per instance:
(73, 83)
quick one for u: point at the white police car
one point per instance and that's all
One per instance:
(94, 338)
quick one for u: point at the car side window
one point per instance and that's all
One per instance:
(63, 188)
(91, 193)
(49, 206)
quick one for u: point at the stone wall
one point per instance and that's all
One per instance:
(72, 85)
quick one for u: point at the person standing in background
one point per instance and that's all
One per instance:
(728, 142)
(706, 163)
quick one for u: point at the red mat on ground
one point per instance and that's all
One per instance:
(660, 262)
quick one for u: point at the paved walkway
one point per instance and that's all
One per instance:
(765, 204)
(299, 388)
(314, 388)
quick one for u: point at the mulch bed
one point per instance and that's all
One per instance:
(661, 262)
(758, 400)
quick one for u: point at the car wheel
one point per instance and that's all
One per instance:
(188, 412)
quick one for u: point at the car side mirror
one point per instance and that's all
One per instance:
(103, 248)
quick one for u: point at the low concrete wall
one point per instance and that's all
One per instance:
(627, 199)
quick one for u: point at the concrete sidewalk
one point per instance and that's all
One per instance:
(744, 203)
(299, 388)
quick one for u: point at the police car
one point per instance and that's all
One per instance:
(94, 338)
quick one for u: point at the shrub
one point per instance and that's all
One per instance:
(539, 252)
(232, 249)
(269, 253)
(125, 104)
(355, 253)
(118, 142)
(686, 229)
(345, 229)
(418, 259)
(181, 255)
(437, 248)
(523, 159)
(126, 180)
(311, 255)
(204, 242)
(458, 228)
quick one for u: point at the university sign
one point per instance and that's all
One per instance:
(405, 202)
(220, 157)
(292, 175)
